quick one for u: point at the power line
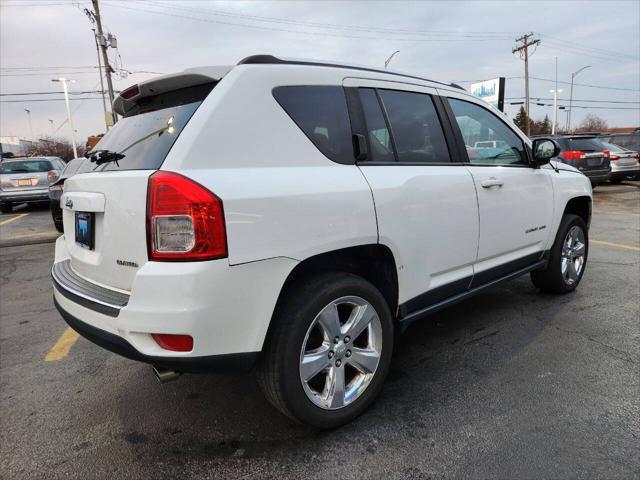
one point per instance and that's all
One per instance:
(48, 93)
(438, 38)
(564, 83)
(584, 101)
(332, 26)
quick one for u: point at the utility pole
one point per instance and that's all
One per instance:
(51, 123)
(102, 41)
(523, 49)
(30, 125)
(64, 82)
(104, 101)
(573, 75)
(555, 110)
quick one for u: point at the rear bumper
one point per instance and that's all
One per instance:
(624, 171)
(597, 176)
(24, 196)
(226, 309)
(234, 362)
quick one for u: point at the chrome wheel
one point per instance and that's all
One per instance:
(573, 255)
(341, 352)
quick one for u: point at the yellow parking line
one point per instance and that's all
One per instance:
(616, 245)
(9, 220)
(63, 346)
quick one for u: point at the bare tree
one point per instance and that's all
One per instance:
(592, 123)
(54, 147)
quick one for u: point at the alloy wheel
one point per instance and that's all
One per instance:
(573, 255)
(341, 352)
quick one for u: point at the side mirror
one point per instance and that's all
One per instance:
(544, 149)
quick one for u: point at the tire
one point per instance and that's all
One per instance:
(553, 279)
(616, 180)
(295, 326)
(6, 208)
(59, 226)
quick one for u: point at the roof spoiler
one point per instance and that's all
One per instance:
(128, 98)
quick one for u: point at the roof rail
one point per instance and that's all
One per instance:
(271, 60)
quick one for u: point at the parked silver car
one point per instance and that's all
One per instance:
(624, 163)
(27, 180)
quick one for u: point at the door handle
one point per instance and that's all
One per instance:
(492, 182)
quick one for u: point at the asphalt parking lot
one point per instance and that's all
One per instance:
(510, 384)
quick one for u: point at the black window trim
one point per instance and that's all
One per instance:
(460, 140)
(454, 156)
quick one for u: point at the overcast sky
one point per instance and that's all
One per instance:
(450, 41)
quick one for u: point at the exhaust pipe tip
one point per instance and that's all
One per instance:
(163, 375)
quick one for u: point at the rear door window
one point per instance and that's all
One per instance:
(321, 113)
(380, 145)
(415, 127)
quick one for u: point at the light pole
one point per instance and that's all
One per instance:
(30, 124)
(64, 82)
(555, 109)
(573, 75)
(386, 64)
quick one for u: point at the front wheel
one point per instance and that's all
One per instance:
(567, 259)
(328, 350)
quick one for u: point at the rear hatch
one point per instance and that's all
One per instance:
(104, 210)
(585, 153)
(25, 174)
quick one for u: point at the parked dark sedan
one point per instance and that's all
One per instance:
(587, 153)
(77, 165)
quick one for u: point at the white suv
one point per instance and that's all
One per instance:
(292, 217)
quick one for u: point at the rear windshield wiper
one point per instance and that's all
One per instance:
(100, 157)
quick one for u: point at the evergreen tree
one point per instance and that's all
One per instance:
(545, 128)
(521, 119)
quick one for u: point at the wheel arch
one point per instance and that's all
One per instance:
(580, 206)
(373, 262)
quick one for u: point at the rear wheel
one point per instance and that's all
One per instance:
(59, 226)
(567, 259)
(6, 208)
(328, 351)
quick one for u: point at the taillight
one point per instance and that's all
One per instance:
(52, 175)
(185, 221)
(175, 343)
(614, 157)
(606, 153)
(56, 187)
(572, 155)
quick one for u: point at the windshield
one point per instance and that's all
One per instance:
(147, 137)
(26, 166)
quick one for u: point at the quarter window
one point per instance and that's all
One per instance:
(488, 140)
(321, 113)
(415, 127)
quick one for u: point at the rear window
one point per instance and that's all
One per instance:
(585, 144)
(321, 113)
(630, 142)
(26, 166)
(146, 137)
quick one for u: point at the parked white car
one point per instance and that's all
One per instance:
(293, 217)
